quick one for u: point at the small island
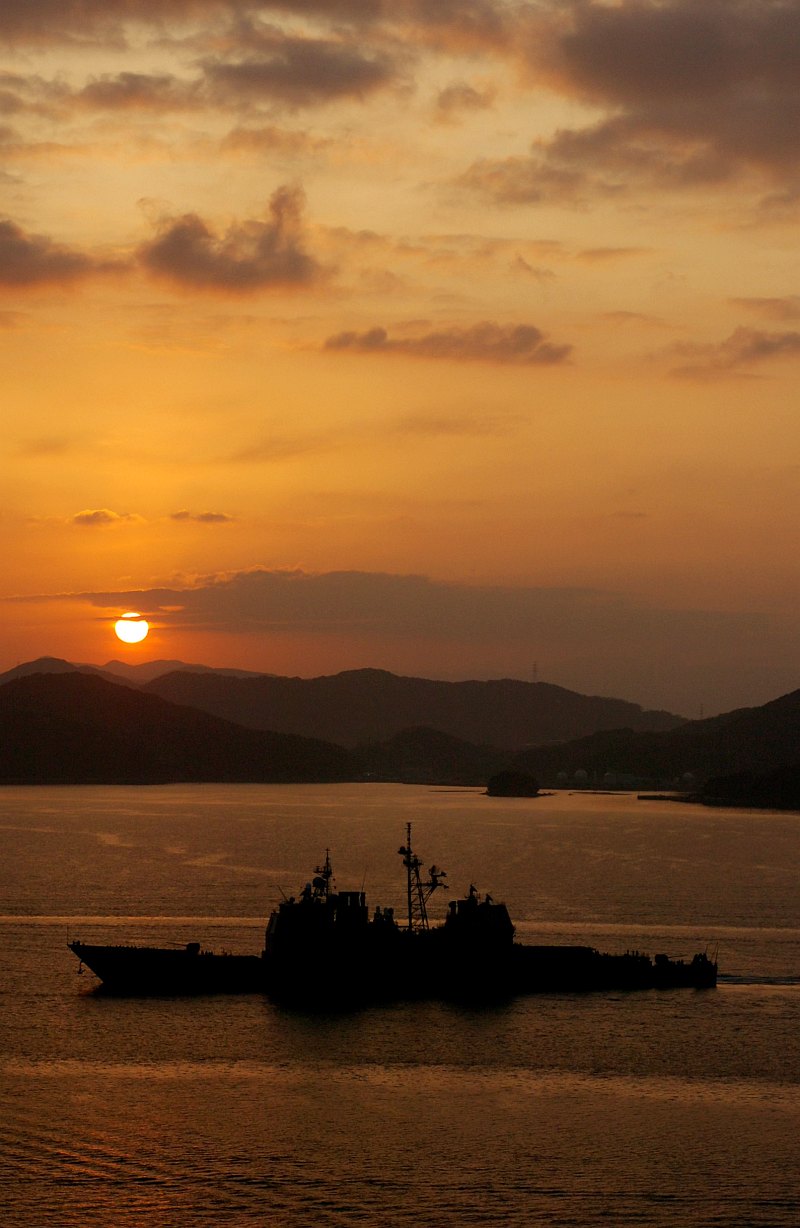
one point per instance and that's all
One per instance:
(512, 784)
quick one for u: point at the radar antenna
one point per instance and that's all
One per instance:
(418, 891)
(323, 878)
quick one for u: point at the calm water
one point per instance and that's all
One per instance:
(645, 1109)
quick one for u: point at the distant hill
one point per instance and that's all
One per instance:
(757, 740)
(46, 665)
(119, 671)
(146, 671)
(76, 728)
(427, 756)
(62, 723)
(370, 705)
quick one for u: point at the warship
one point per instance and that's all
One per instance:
(323, 948)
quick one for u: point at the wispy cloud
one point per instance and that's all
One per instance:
(484, 342)
(460, 97)
(603, 255)
(458, 23)
(12, 319)
(136, 91)
(47, 445)
(202, 517)
(786, 308)
(95, 22)
(462, 425)
(270, 139)
(299, 71)
(101, 517)
(743, 349)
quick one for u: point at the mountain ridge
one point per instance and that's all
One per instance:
(758, 739)
(79, 728)
(370, 705)
(65, 723)
(354, 707)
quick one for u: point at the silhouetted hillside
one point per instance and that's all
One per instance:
(75, 728)
(146, 671)
(46, 665)
(775, 790)
(65, 724)
(118, 671)
(370, 705)
(427, 756)
(755, 740)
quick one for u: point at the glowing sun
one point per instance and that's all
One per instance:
(131, 628)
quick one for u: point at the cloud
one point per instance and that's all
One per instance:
(272, 140)
(133, 91)
(685, 93)
(21, 94)
(354, 10)
(248, 256)
(597, 638)
(48, 445)
(744, 348)
(277, 448)
(484, 342)
(461, 426)
(597, 255)
(299, 71)
(632, 317)
(642, 51)
(461, 96)
(600, 161)
(519, 265)
(30, 260)
(457, 25)
(96, 21)
(98, 518)
(260, 599)
(786, 308)
(525, 180)
(261, 67)
(12, 319)
(460, 25)
(202, 517)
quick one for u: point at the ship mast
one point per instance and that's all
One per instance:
(418, 892)
(323, 876)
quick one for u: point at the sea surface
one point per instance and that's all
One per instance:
(659, 1108)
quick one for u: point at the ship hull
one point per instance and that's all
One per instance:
(413, 969)
(171, 970)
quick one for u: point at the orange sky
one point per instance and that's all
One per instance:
(457, 339)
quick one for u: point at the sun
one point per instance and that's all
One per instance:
(131, 628)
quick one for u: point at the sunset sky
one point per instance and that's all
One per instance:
(460, 339)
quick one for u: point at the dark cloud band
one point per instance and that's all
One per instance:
(484, 342)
